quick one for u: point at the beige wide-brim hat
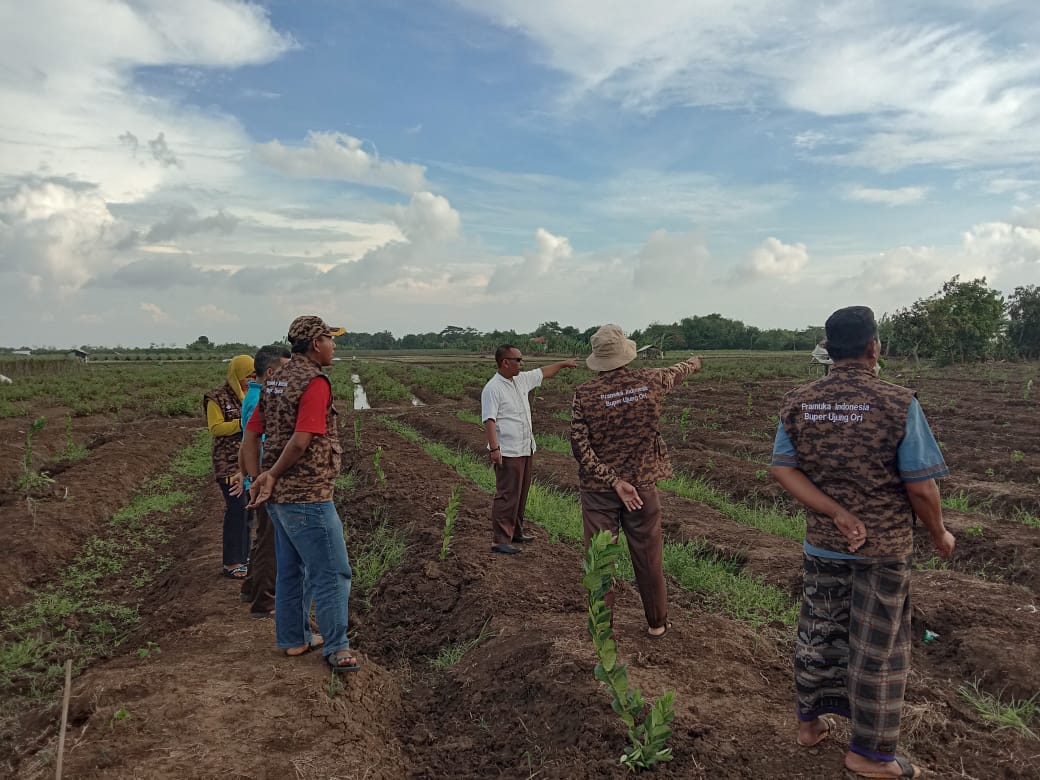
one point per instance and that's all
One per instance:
(610, 349)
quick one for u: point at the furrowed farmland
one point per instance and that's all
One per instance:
(476, 665)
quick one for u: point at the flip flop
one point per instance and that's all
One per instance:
(310, 649)
(667, 625)
(906, 769)
(237, 573)
(342, 661)
(829, 725)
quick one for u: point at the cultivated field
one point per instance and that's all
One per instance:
(477, 665)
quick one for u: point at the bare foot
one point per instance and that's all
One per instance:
(864, 767)
(813, 732)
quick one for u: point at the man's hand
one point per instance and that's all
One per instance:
(572, 363)
(695, 361)
(260, 489)
(944, 544)
(852, 529)
(628, 494)
(236, 485)
(496, 458)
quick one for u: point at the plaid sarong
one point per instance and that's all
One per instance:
(853, 651)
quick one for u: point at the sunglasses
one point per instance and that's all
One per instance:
(515, 360)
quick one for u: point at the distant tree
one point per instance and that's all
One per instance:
(201, 343)
(1023, 330)
(960, 323)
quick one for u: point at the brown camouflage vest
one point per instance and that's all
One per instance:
(225, 448)
(622, 409)
(846, 429)
(312, 478)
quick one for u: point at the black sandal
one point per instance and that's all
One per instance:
(342, 661)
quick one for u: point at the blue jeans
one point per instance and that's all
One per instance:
(311, 556)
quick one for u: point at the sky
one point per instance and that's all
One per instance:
(218, 167)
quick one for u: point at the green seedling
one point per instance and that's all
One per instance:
(649, 738)
(72, 450)
(376, 457)
(357, 432)
(684, 423)
(975, 532)
(1018, 456)
(451, 514)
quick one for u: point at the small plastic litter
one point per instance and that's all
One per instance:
(930, 636)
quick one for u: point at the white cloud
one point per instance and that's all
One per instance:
(670, 261)
(341, 156)
(546, 258)
(56, 231)
(210, 312)
(428, 217)
(775, 259)
(155, 312)
(899, 196)
(917, 83)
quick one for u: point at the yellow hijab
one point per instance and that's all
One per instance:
(238, 369)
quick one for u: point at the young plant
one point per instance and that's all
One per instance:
(750, 405)
(357, 432)
(684, 423)
(649, 737)
(31, 480)
(1019, 715)
(975, 532)
(1018, 456)
(72, 450)
(451, 514)
(376, 457)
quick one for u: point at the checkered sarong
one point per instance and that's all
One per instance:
(853, 651)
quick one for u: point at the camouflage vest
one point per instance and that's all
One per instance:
(846, 429)
(623, 411)
(312, 478)
(225, 448)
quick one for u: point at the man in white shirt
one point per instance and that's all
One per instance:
(506, 412)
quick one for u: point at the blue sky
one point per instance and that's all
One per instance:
(218, 167)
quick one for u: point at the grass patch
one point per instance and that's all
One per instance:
(1021, 716)
(695, 567)
(373, 558)
(563, 414)
(346, 483)
(471, 417)
(451, 654)
(960, 502)
(1026, 518)
(553, 443)
(75, 617)
(773, 520)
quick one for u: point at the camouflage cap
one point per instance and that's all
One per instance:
(309, 327)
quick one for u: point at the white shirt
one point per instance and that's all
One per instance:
(505, 401)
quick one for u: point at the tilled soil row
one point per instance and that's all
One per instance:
(987, 629)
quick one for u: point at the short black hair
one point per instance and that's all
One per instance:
(500, 353)
(849, 331)
(268, 356)
(301, 347)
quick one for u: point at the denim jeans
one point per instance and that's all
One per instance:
(312, 556)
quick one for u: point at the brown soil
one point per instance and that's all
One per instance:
(218, 699)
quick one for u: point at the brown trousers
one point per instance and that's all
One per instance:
(603, 511)
(258, 586)
(512, 482)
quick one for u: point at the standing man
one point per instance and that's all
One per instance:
(258, 586)
(301, 461)
(858, 453)
(506, 412)
(616, 439)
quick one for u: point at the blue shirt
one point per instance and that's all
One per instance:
(918, 458)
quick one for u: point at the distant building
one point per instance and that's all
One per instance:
(24, 352)
(650, 352)
(79, 354)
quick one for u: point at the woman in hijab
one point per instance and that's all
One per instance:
(224, 416)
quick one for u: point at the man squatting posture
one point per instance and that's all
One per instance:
(301, 461)
(616, 439)
(506, 412)
(858, 453)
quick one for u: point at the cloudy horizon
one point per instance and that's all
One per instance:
(220, 166)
